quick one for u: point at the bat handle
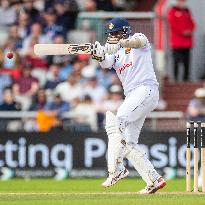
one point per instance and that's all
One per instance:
(92, 49)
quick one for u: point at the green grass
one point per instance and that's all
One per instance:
(89, 191)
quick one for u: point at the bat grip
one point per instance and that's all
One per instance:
(92, 49)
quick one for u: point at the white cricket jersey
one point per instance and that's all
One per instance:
(133, 66)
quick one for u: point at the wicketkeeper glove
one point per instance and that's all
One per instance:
(98, 52)
(112, 45)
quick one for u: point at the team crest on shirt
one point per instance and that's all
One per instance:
(111, 26)
(127, 50)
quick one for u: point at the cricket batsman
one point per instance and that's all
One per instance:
(130, 56)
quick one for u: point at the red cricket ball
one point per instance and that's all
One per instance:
(10, 55)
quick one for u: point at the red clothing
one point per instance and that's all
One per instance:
(180, 21)
(14, 73)
(36, 62)
(25, 83)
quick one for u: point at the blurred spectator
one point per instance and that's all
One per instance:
(39, 101)
(38, 65)
(105, 5)
(56, 108)
(70, 89)
(85, 113)
(36, 36)
(14, 37)
(87, 28)
(94, 90)
(59, 59)
(49, 3)
(124, 5)
(65, 71)
(81, 5)
(52, 77)
(104, 77)
(51, 28)
(59, 39)
(70, 5)
(66, 14)
(84, 60)
(90, 5)
(33, 12)
(71, 65)
(31, 60)
(23, 25)
(8, 102)
(25, 88)
(115, 79)
(5, 81)
(181, 28)
(114, 100)
(7, 13)
(79, 66)
(87, 68)
(17, 5)
(196, 108)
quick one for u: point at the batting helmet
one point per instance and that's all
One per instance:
(118, 24)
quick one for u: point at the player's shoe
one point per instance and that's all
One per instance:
(114, 178)
(151, 189)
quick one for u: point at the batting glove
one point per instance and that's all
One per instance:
(98, 52)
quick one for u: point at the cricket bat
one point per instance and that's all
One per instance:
(62, 49)
(67, 49)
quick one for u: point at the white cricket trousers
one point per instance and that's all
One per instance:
(130, 117)
(133, 111)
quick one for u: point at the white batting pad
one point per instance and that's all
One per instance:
(137, 156)
(115, 148)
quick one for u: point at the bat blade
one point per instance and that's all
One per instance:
(62, 49)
